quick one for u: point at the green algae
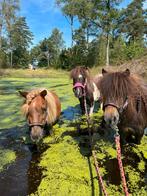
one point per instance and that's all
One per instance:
(6, 158)
(68, 168)
(65, 165)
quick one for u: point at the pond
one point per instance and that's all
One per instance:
(63, 164)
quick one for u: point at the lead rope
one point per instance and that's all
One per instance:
(122, 173)
(91, 146)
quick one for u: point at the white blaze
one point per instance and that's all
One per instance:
(80, 76)
(96, 92)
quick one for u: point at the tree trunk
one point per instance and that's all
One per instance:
(0, 36)
(72, 30)
(70, 20)
(87, 37)
(11, 58)
(48, 61)
(107, 37)
(107, 51)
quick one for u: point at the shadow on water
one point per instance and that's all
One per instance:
(24, 175)
(59, 85)
(11, 86)
(71, 113)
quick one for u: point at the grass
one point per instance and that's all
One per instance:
(27, 73)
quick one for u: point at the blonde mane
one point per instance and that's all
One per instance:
(51, 104)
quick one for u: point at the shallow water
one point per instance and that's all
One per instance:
(72, 171)
(23, 176)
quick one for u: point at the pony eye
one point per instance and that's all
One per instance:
(43, 108)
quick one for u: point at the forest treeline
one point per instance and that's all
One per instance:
(106, 35)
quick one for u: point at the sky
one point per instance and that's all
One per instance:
(43, 16)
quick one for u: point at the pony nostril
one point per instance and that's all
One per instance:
(34, 138)
(110, 121)
(114, 119)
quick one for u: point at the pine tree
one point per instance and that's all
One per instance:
(133, 22)
(21, 38)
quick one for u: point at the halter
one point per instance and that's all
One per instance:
(79, 84)
(120, 109)
(36, 124)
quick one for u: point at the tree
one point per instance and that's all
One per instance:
(9, 9)
(21, 38)
(96, 17)
(68, 8)
(1, 24)
(106, 16)
(48, 50)
(133, 21)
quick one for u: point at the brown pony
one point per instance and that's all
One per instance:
(124, 98)
(85, 85)
(42, 108)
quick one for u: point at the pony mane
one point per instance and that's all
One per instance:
(80, 70)
(119, 85)
(51, 104)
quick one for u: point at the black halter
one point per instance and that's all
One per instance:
(36, 124)
(120, 109)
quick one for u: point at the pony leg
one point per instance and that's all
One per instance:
(91, 110)
(82, 105)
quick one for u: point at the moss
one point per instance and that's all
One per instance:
(67, 171)
(142, 147)
(66, 167)
(67, 163)
(6, 158)
(134, 179)
(141, 166)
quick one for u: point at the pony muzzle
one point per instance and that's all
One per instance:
(78, 92)
(36, 133)
(111, 116)
(78, 89)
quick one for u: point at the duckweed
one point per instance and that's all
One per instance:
(6, 157)
(67, 165)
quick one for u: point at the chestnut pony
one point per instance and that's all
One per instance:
(42, 108)
(124, 97)
(85, 85)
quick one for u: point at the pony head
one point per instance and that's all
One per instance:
(115, 88)
(35, 110)
(80, 75)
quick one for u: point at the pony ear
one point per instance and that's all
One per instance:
(87, 69)
(104, 71)
(23, 94)
(127, 72)
(43, 93)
